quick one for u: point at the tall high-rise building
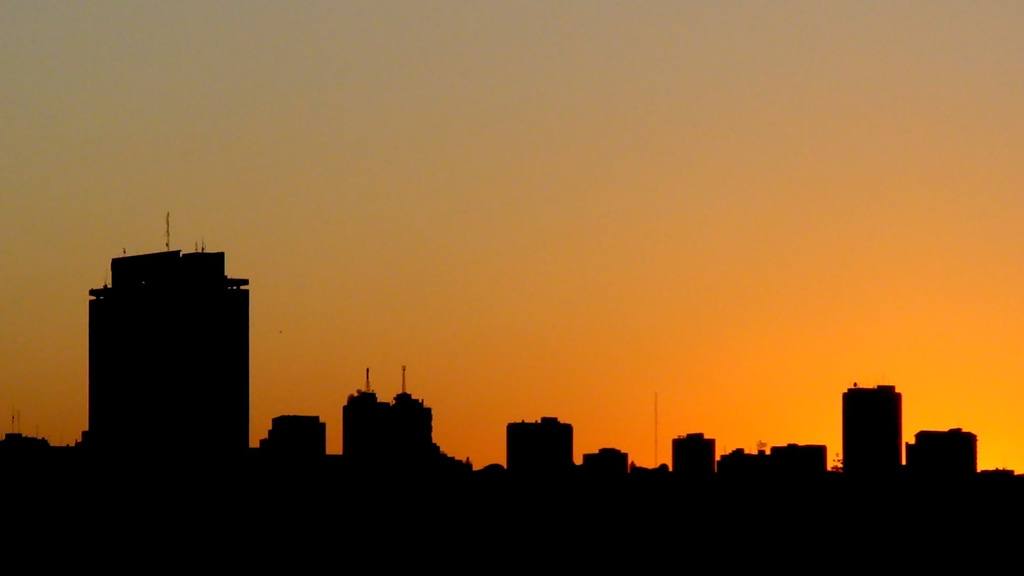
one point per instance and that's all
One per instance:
(169, 357)
(872, 431)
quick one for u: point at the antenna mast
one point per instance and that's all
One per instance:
(403, 378)
(655, 429)
(368, 380)
(167, 233)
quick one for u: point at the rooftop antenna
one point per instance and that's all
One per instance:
(204, 243)
(167, 233)
(655, 429)
(403, 378)
(368, 380)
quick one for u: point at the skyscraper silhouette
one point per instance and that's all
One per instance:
(169, 357)
(872, 432)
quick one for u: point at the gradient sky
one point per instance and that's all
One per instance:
(542, 208)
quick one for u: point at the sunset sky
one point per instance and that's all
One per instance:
(542, 208)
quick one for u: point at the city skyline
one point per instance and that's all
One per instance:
(169, 378)
(542, 209)
(184, 328)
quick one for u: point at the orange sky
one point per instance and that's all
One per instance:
(541, 209)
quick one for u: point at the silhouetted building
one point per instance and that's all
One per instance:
(378, 436)
(949, 455)
(795, 461)
(998, 474)
(412, 428)
(25, 454)
(16, 443)
(693, 457)
(492, 474)
(606, 464)
(739, 465)
(1001, 472)
(872, 432)
(296, 437)
(660, 475)
(539, 448)
(366, 429)
(169, 357)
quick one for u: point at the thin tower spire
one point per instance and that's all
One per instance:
(655, 429)
(403, 378)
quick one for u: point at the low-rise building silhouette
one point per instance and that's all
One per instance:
(789, 462)
(693, 457)
(295, 436)
(796, 461)
(606, 464)
(998, 475)
(22, 453)
(18, 443)
(943, 455)
(539, 448)
(744, 466)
